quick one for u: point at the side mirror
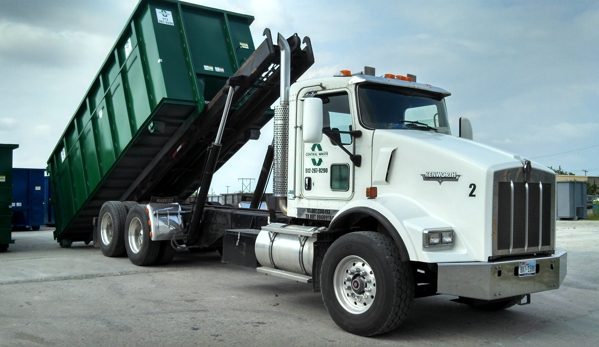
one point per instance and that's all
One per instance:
(312, 120)
(465, 128)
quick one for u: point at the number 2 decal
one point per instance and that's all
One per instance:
(473, 187)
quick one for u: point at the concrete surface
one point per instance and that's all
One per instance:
(77, 297)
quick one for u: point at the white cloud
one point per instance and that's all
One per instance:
(8, 124)
(29, 44)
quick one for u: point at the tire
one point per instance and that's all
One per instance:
(112, 228)
(129, 205)
(377, 299)
(35, 228)
(496, 305)
(3, 247)
(141, 250)
(166, 253)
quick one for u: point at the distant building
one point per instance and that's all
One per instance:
(572, 178)
(571, 196)
(593, 179)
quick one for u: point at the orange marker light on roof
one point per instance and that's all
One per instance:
(346, 72)
(389, 75)
(403, 78)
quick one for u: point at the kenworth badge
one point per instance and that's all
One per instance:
(440, 176)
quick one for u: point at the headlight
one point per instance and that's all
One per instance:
(437, 237)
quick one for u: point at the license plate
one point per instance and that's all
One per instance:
(527, 268)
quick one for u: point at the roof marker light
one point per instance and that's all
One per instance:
(403, 78)
(345, 72)
(389, 75)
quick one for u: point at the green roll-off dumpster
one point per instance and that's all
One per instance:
(6, 195)
(169, 61)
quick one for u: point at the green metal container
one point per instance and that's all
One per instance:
(168, 63)
(6, 195)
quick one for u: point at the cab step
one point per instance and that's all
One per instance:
(285, 274)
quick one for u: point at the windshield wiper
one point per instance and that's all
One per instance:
(418, 125)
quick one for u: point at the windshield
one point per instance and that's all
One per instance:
(391, 107)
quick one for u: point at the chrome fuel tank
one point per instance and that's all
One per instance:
(286, 247)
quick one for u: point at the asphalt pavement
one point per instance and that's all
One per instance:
(50, 296)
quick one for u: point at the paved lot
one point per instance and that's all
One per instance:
(57, 297)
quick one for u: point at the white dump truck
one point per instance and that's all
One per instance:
(376, 201)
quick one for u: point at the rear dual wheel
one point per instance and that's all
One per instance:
(112, 228)
(129, 205)
(166, 254)
(141, 250)
(124, 229)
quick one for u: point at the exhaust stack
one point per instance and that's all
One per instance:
(281, 128)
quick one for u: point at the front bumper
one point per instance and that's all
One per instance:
(492, 281)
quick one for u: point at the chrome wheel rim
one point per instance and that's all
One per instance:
(106, 228)
(354, 283)
(135, 235)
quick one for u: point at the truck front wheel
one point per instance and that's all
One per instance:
(366, 287)
(141, 250)
(112, 225)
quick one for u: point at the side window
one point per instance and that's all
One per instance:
(336, 114)
(340, 177)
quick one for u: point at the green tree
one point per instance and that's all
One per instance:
(559, 171)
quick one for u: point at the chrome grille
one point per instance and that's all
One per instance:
(524, 214)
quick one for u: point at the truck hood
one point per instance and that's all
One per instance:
(440, 152)
(435, 180)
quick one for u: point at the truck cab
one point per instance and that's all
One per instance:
(376, 154)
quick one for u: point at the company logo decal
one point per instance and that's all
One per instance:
(440, 176)
(317, 154)
(165, 17)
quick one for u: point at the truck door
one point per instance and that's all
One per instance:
(327, 171)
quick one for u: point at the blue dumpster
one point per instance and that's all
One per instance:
(28, 199)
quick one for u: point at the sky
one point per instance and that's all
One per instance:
(526, 73)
